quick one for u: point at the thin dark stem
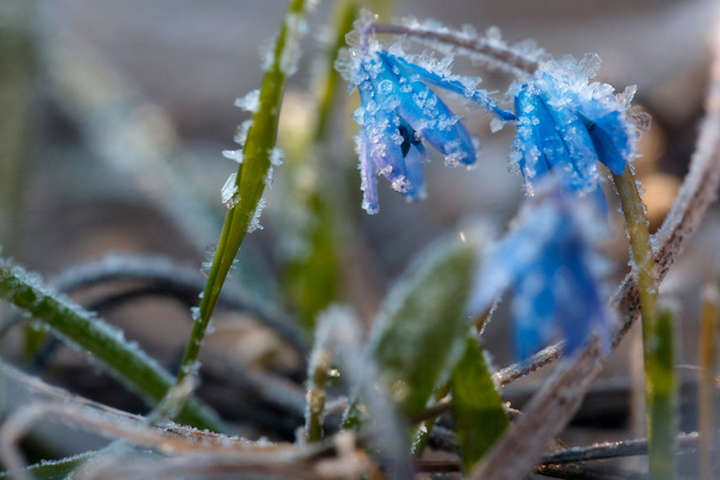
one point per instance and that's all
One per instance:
(180, 280)
(495, 53)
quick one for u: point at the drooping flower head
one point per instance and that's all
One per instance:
(566, 124)
(550, 263)
(398, 110)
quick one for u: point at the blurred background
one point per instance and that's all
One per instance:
(113, 116)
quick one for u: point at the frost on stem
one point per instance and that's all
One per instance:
(489, 49)
(250, 102)
(296, 27)
(229, 190)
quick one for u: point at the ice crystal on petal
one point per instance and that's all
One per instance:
(550, 263)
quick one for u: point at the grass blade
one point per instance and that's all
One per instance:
(250, 180)
(84, 330)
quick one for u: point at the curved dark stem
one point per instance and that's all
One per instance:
(179, 281)
(109, 302)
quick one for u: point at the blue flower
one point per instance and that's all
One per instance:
(398, 110)
(567, 124)
(549, 262)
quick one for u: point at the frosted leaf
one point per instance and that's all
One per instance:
(250, 102)
(234, 155)
(228, 192)
(276, 156)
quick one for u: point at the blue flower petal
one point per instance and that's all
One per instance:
(368, 182)
(611, 139)
(382, 129)
(428, 115)
(551, 137)
(512, 257)
(481, 97)
(548, 263)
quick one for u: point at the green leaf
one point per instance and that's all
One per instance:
(418, 335)
(480, 418)
(55, 469)
(82, 329)
(251, 176)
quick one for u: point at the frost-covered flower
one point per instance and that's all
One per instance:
(550, 263)
(565, 123)
(398, 110)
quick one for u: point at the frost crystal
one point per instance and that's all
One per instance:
(234, 155)
(255, 221)
(250, 102)
(242, 132)
(296, 27)
(276, 156)
(228, 192)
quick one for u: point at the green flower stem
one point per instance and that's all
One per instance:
(81, 328)
(250, 181)
(661, 404)
(706, 380)
(313, 279)
(657, 332)
(346, 12)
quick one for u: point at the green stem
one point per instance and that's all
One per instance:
(661, 407)
(319, 367)
(346, 12)
(423, 431)
(250, 180)
(81, 328)
(656, 332)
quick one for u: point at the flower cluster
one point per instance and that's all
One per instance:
(567, 124)
(398, 110)
(549, 261)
